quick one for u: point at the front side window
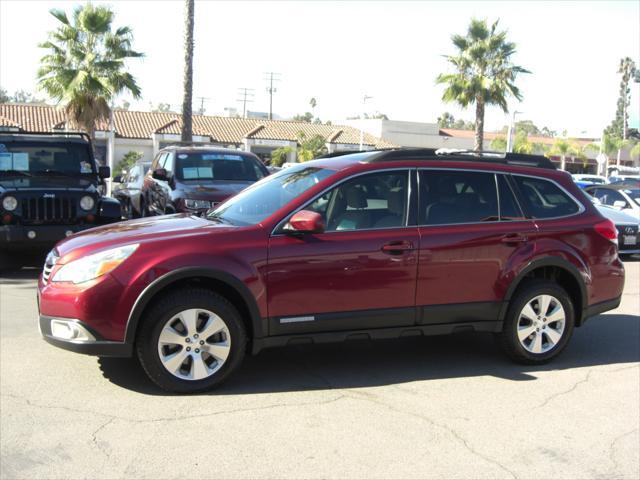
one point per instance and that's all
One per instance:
(217, 166)
(545, 199)
(371, 201)
(457, 196)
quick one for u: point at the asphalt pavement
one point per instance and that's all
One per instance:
(435, 407)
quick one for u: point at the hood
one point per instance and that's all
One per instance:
(213, 190)
(46, 182)
(136, 231)
(616, 216)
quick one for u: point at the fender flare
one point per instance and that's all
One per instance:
(190, 272)
(549, 262)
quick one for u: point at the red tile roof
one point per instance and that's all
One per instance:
(141, 125)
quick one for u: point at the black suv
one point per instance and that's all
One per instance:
(194, 179)
(50, 187)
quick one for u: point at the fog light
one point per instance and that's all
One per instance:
(69, 330)
(63, 330)
(31, 234)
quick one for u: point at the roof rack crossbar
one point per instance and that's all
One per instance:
(84, 135)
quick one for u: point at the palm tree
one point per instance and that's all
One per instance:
(187, 128)
(563, 148)
(484, 74)
(85, 65)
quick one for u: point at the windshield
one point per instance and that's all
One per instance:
(262, 199)
(42, 158)
(217, 166)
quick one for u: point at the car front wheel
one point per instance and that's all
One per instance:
(539, 323)
(191, 341)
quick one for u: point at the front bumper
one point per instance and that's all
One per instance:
(19, 238)
(99, 346)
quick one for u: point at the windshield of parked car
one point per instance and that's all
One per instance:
(29, 158)
(265, 197)
(217, 166)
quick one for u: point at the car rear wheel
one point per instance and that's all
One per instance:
(191, 341)
(539, 323)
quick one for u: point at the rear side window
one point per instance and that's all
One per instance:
(544, 199)
(448, 197)
(509, 209)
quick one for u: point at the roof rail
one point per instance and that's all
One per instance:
(84, 135)
(461, 155)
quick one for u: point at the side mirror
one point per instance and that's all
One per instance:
(117, 179)
(305, 221)
(619, 204)
(104, 172)
(160, 174)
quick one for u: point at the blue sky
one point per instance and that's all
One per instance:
(339, 51)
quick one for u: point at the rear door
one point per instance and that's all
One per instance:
(360, 273)
(472, 235)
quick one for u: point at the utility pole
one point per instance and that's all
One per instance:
(202, 100)
(245, 94)
(510, 131)
(270, 78)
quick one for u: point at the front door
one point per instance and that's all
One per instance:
(360, 273)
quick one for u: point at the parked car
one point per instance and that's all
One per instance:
(195, 179)
(628, 182)
(628, 229)
(375, 244)
(50, 188)
(623, 198)
(591, 179)
(129, 190)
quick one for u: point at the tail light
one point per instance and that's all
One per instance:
(607, 229)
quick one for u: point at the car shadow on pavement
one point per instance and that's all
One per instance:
(605, 340)
(24, 276)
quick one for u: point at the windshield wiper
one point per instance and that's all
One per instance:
(219, 219)
(16, 172)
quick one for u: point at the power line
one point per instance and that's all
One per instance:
(245, 94)
(270, 78)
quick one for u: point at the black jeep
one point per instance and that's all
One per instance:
(50, 188)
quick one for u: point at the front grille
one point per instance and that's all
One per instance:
(49, 210)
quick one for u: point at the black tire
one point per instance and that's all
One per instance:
(157, 316)
(508, 338)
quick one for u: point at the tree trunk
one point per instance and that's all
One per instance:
(187, 129)
(479, 124)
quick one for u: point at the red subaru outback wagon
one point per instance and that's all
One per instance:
(375, 244)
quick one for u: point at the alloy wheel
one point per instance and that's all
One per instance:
(541, 324)
(194, 344)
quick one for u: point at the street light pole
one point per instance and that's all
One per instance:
(364, 101)
(510, 131)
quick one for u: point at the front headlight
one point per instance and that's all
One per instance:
(9, 203)
(93, 266)
(87, 202)
(196, 204)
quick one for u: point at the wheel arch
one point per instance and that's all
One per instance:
(222, 282)
(559, 270)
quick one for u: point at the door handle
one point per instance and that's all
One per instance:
(397, 248)
(514, 238)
